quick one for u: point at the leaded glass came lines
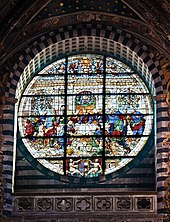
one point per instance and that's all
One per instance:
(85, 115)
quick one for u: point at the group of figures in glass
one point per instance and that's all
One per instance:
(102, 126)
(82, 135)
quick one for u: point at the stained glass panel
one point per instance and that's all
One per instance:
(116, 66)
(128, 104)
(45, 146)
(84, 146)
(83, 113)
(88, 63)
(53, 165)
(85, 82)
(46, 85)
(57, 67)
(41, 105)
(90, 167)
(125, 83)
(120, 145)
(112, 165)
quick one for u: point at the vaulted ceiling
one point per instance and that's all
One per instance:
(56, 8)
(22, 21)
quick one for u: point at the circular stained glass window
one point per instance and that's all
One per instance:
(85, 115)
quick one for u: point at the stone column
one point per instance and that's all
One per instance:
(7, 139)
(162, 148)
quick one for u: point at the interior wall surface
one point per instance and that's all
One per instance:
(101, 38)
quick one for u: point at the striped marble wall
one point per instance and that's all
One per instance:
(97, 33)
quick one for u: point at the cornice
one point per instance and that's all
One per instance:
(154, 13)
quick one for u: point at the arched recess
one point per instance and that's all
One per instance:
(84, 44)
(88, 37)
(100, 31)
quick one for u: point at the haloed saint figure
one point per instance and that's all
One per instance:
(88, 116)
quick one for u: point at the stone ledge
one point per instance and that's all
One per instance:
(84, 204)
(87, 218)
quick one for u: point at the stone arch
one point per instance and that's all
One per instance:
(100, 31)
(105, 35)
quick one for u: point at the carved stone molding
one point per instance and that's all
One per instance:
(25, 204)
(24, 13)
(2, 179)
(44, 204)
(6, 6)
(165, 4)
(81, 204)
(74, 207)
(88, 218)
(103, 204)
(133, 26)
(124, 203)
(166, 142)
(164, 63)
(143, 203)
(148, 10)
(2, 197)
(4, 102)
(64, 204)
(160, 97)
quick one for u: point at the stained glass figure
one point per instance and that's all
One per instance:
(116, 66)
(84, 167)
(87, 63)
(85, 115)
(57, 67)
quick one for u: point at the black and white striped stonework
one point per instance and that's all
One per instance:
(162, 150)
(86, 38)
(8, 131)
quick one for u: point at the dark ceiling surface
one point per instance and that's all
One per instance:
(17, 14)
(61, 7)
(21, 20)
